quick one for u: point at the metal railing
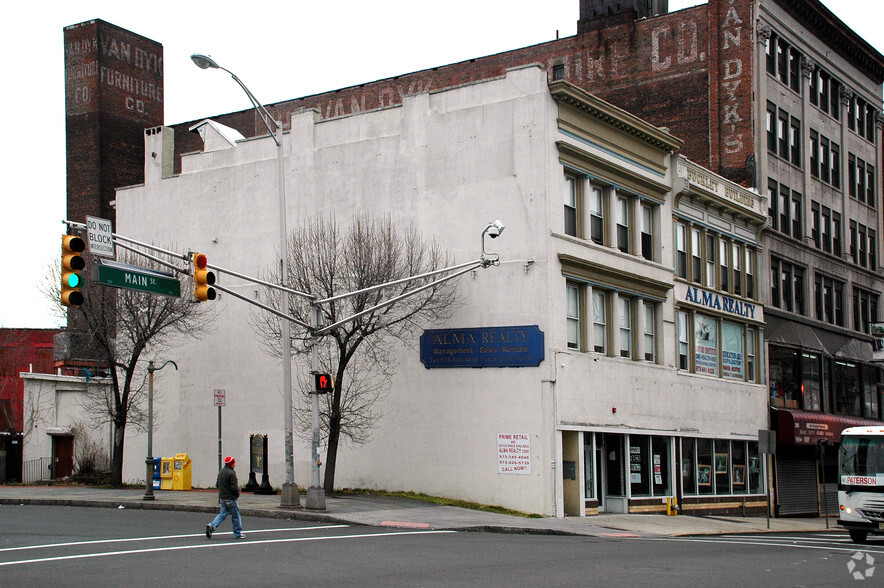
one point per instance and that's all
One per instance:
(36, 470)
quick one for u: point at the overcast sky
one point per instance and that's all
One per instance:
(280, 50)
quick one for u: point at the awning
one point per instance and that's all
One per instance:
(788, 332)
(799, 427)
(778, 330)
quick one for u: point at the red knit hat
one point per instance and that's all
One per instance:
(229, 461)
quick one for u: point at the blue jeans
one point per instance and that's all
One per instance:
(229, 506)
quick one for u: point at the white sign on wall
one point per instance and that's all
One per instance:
(513, 453)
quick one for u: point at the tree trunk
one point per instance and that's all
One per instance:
(117, 466)
(331, 456)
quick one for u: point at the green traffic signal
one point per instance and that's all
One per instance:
(72, 263)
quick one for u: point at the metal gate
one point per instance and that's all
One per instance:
(797, 490)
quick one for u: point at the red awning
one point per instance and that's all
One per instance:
(799, 427)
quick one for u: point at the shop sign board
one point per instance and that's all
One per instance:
(510, 346)
(513, 453)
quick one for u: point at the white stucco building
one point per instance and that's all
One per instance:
(650, 380)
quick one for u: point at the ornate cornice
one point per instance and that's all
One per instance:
(567, 93)
(828, 27)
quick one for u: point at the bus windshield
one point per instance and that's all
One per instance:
(862, 460)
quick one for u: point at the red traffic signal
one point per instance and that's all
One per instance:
(323, 383)
(202, 279)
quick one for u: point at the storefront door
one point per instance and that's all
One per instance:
(63, 456)
(614, 460)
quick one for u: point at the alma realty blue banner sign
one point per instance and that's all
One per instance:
(519, 346)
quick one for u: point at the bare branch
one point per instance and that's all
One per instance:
(327, 261)
(116, 328)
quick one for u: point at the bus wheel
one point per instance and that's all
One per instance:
(858, 535)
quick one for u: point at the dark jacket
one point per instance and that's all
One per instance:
(228, 487)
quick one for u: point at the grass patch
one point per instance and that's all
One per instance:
(442, 501)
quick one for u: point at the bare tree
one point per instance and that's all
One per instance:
(369, 376)
(326, 261)
(119, 326)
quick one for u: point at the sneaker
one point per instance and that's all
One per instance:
(209, 531)
(240, 536)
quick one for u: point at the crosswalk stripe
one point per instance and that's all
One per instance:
(159, 537)
(217, 546)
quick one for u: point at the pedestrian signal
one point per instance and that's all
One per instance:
(324, 383)
(202, 279)
(72, 263)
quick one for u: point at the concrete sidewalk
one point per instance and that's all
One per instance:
(407, 513)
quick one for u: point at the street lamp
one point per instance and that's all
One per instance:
(148, 482)
(289, 489)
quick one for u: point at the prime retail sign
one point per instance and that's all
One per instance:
(518, 346)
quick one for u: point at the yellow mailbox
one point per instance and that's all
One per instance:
(181, 472)
(166, 473)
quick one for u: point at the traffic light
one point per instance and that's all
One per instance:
(324, 383)
(202, 279)
(72, 263)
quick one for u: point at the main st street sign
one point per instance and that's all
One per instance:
(129, 277)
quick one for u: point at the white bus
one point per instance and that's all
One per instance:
(861, 482)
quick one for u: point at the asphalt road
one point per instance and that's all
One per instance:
(70, 546)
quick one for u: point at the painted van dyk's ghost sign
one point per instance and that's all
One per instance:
(520, 346)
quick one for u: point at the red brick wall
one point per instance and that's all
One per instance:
(21, 350)
(689, 71)
(113, 90)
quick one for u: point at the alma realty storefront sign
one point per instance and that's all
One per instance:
(518, 346)
(750, 311)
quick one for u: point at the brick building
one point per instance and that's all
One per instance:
(21, 350)
(776, 95)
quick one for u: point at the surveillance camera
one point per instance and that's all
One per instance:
(495, 229)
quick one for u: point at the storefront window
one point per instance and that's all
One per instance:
(722, 467)
(660, 466)
(639, 466)
(755, 470)
(785, 384)
(811, 383)
(649, 466)
(738, 467)
(705, 465)
(846, 387)
(870, 392)
(731, 350)
(688, 463)
(705, 345)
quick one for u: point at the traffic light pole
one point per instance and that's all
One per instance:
(315, 493)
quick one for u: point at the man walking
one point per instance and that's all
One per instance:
(228, 493)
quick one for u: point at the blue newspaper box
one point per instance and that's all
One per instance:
(156, 472)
